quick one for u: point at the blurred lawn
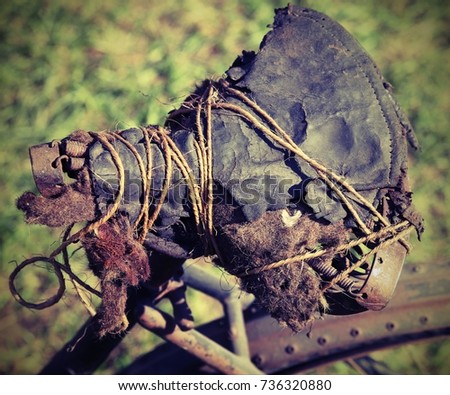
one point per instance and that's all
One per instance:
(112, 64)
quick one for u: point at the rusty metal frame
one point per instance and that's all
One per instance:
(212, 353)
(196, 343)
(419, 309)
(233, 299)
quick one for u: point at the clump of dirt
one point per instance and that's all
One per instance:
(120, 262)
(291, 293)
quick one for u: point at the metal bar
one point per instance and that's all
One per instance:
(232, 299)
(205, 281)
(237, 331)
(195, 343)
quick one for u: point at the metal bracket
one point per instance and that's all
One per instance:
(49, 177)
(383, 277)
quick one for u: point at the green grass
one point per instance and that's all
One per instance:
(111, 64)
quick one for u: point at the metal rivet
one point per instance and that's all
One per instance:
(289, 349)
(354, 332)
(390, 326)
(257, 360)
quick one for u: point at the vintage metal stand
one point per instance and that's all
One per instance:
(247, 341)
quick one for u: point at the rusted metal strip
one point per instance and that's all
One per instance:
(383, 278)
(419, 309)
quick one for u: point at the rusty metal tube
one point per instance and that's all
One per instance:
(232, 299)
(195, 343)
(237, 331)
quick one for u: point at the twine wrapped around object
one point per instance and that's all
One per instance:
(201, 190)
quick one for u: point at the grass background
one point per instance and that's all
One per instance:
(112, 64)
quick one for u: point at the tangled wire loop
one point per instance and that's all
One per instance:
(201, 191)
